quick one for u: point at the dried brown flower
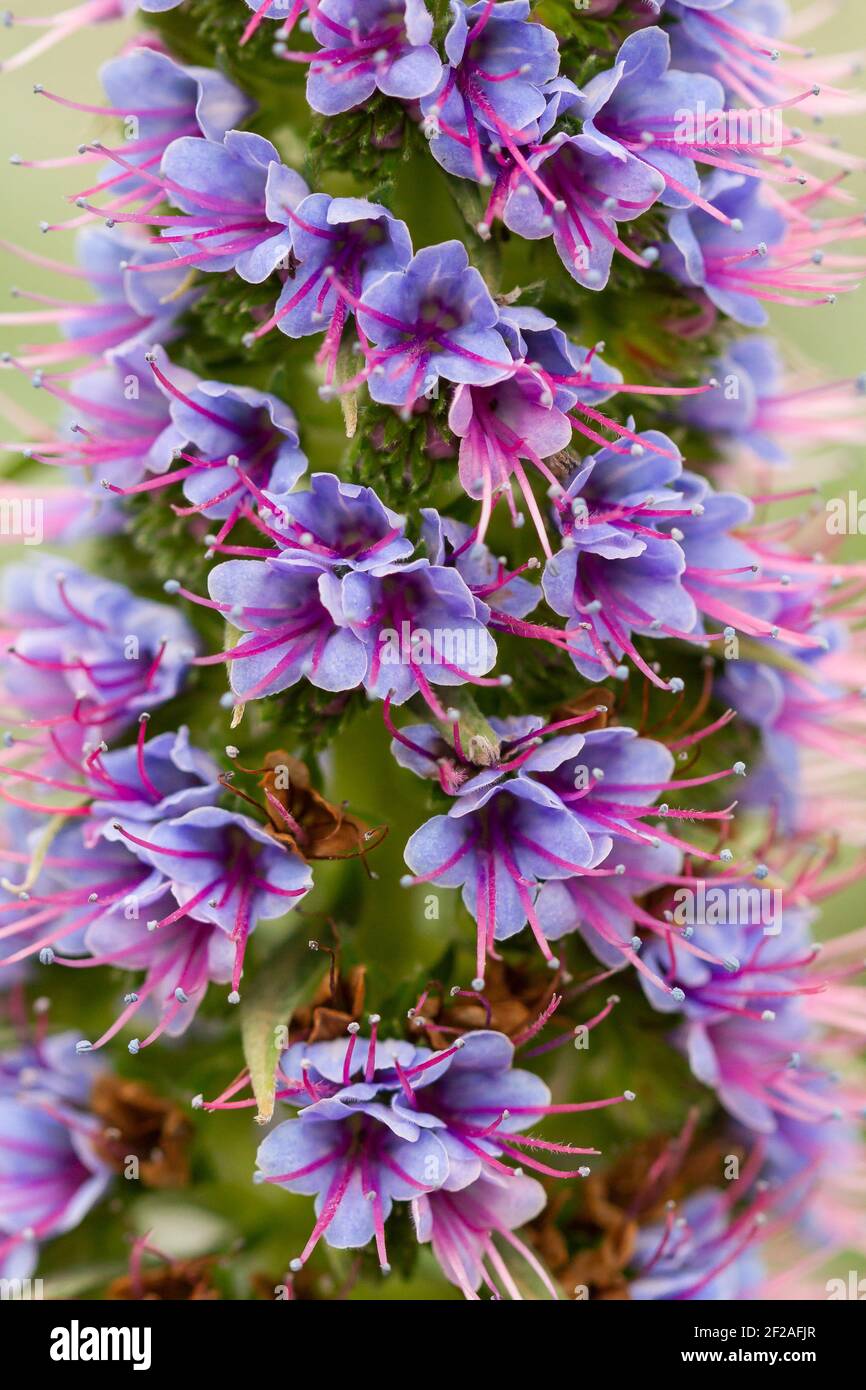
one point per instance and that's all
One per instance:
(181, 1281)
(138, 1123)
(515, 996)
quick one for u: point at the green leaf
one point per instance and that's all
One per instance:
(282, 983)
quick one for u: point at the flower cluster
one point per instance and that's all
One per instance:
(628, 685)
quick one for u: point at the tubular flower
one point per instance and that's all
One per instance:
(497, 843)
(433, 319)
(582, 189)
(71, 886)
(237, 447)
(653, 110)
(129, 313)
(617, 572)
(50, 1170)
(754, 257)
(382, 1122)
(101, 873)
(702, 1252)
(85, 653)
(420, 626)
(493, 86)
(222, 868)
(367, 46)
(338, 605)
(347, 241)
(286, 610)
(462, 1228)
(762, 410)
(606, 781)
(115, 421)
(245, 226)
(649, 548)
(158, 100)
(742, 43)
(502, 591)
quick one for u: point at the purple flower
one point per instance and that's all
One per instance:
(750, 960)
(761, 409)
(159, 779)
(50, 1174)
(289, 611)
(450, 542)
(77, 881)
(750, 1063)
(420, 626)
(129, 311)
(501, 838)
(618, 572)
(154, 779)
(492, 90)
(116, 423)
(502, 426)
(605, 908)
(238, 198)
(615, 574)
(559, 383)
(643, 106)
(236, 444)
(276, 9)
(369, 44)
(222, 868)
(593, 863)
(169, 97)
(462, 1227)
(747, 409)
(93, 893)
(734, 45)
(433, 319)
(576, 375)
(581, 187)
(87, 653)
(809, 707)
(179, 958)
(158, 100)
(813, 1159)
(495, 160)
(340, 526)
(384, 1122)
(345, 241)
(610, 779)
(728, 259)
(732, 581)
(706, 1253)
